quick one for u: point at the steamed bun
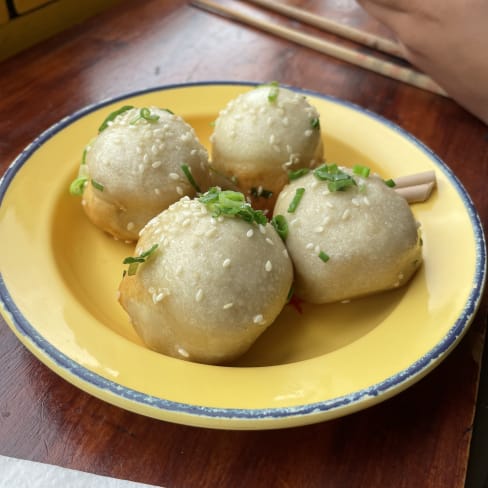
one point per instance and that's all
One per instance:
(262, 135)
(140, 162)
(355, 241)
(210, 284)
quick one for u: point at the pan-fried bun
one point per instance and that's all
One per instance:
(347, 243)
(262, 135)
(135, 169)
(210, 286)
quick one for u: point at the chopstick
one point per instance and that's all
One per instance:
(361, 37)
(369, 62)
(416, 187)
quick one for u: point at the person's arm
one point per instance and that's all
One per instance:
(447, 39)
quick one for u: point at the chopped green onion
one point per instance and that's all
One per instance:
(168, 110)
(113, 115)
(83, 156)
(361, 170)
(337, 180)
(281, 226)
(296, 200)
(390, 183)
(145, 113)
(78, 185)
(298, 173)
(190, 178)
(134, 262)
(315, 123)
(97, 185)
(273, 91)
(261, 192)
(324, 257)
(230, 203)
(290, 294)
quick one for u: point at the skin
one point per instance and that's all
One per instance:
(447, 39)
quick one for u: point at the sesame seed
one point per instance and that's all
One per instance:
(285, 253)
(228, 305)
(272, 139)
(262, 229)
(210, 232)
(346, 214)
(258, 319)
(329, 204)
(355, 202)
(308, 133)
(157, 191)
(319, 229)
(250, 233)
(183, 352)
(199, 295)
(366, 201)
(159, 297)
(226, 263)
(130, 225)
(270, 241)
(309, 245)
(285, 121)
(186, 223)
(268, 266)
(317, 249)
(276, 148)
(145, 158)
(179, 190)
(156, 164)
(141, 168)
(174, 176)
(138, 149)
(154, 149)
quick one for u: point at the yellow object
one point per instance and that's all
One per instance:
(59, 279)
(37, 20)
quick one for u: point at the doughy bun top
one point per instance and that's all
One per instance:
(138, 162)
(264, 133)
(351, 242)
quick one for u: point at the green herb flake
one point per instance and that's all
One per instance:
(189, 176)
(145, 113)
(296, 200)
(297, 173)
(390, 183)
(77, 186)
(261, 192)
(230, 203)
(168, 110)
(112, 116)
(97, 185)
(135, 261)
(337, 180)
(324, 257)
(281, 226)
(360, 170)
(274, 90)
(315, 123)
(83, 156)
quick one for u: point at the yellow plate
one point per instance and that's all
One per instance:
(59, 277)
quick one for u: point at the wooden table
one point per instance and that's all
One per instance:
(420, 438)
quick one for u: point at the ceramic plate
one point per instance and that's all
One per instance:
(59, 276)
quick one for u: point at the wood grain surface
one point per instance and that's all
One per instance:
(420, 438)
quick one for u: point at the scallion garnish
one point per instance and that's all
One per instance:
(315, 123)
(97, 185)
(324, 257)
(261, 192)
(296, 200)
(112, 116)
(390, 183)
(230, 203)
(281, 225)
(168, 110)
(145, 113)
(135, 261)
(360, 170)
(290, 294)
(273, 91)
(337, 180)
(298, 173)
(78, 185)
(190, 178)
(83, 156)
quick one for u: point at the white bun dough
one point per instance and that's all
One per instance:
(210, 288)
(139, 164)
(368, 232)
(256, 142)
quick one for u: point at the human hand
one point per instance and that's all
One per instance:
(447, 39)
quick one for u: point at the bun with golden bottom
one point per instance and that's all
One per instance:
(211, 281)
(360, 238)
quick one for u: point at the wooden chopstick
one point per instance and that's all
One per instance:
(369, 62)
(361, 37)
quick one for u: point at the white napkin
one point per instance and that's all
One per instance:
(18, 473)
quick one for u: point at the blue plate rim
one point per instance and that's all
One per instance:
(415, 370)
